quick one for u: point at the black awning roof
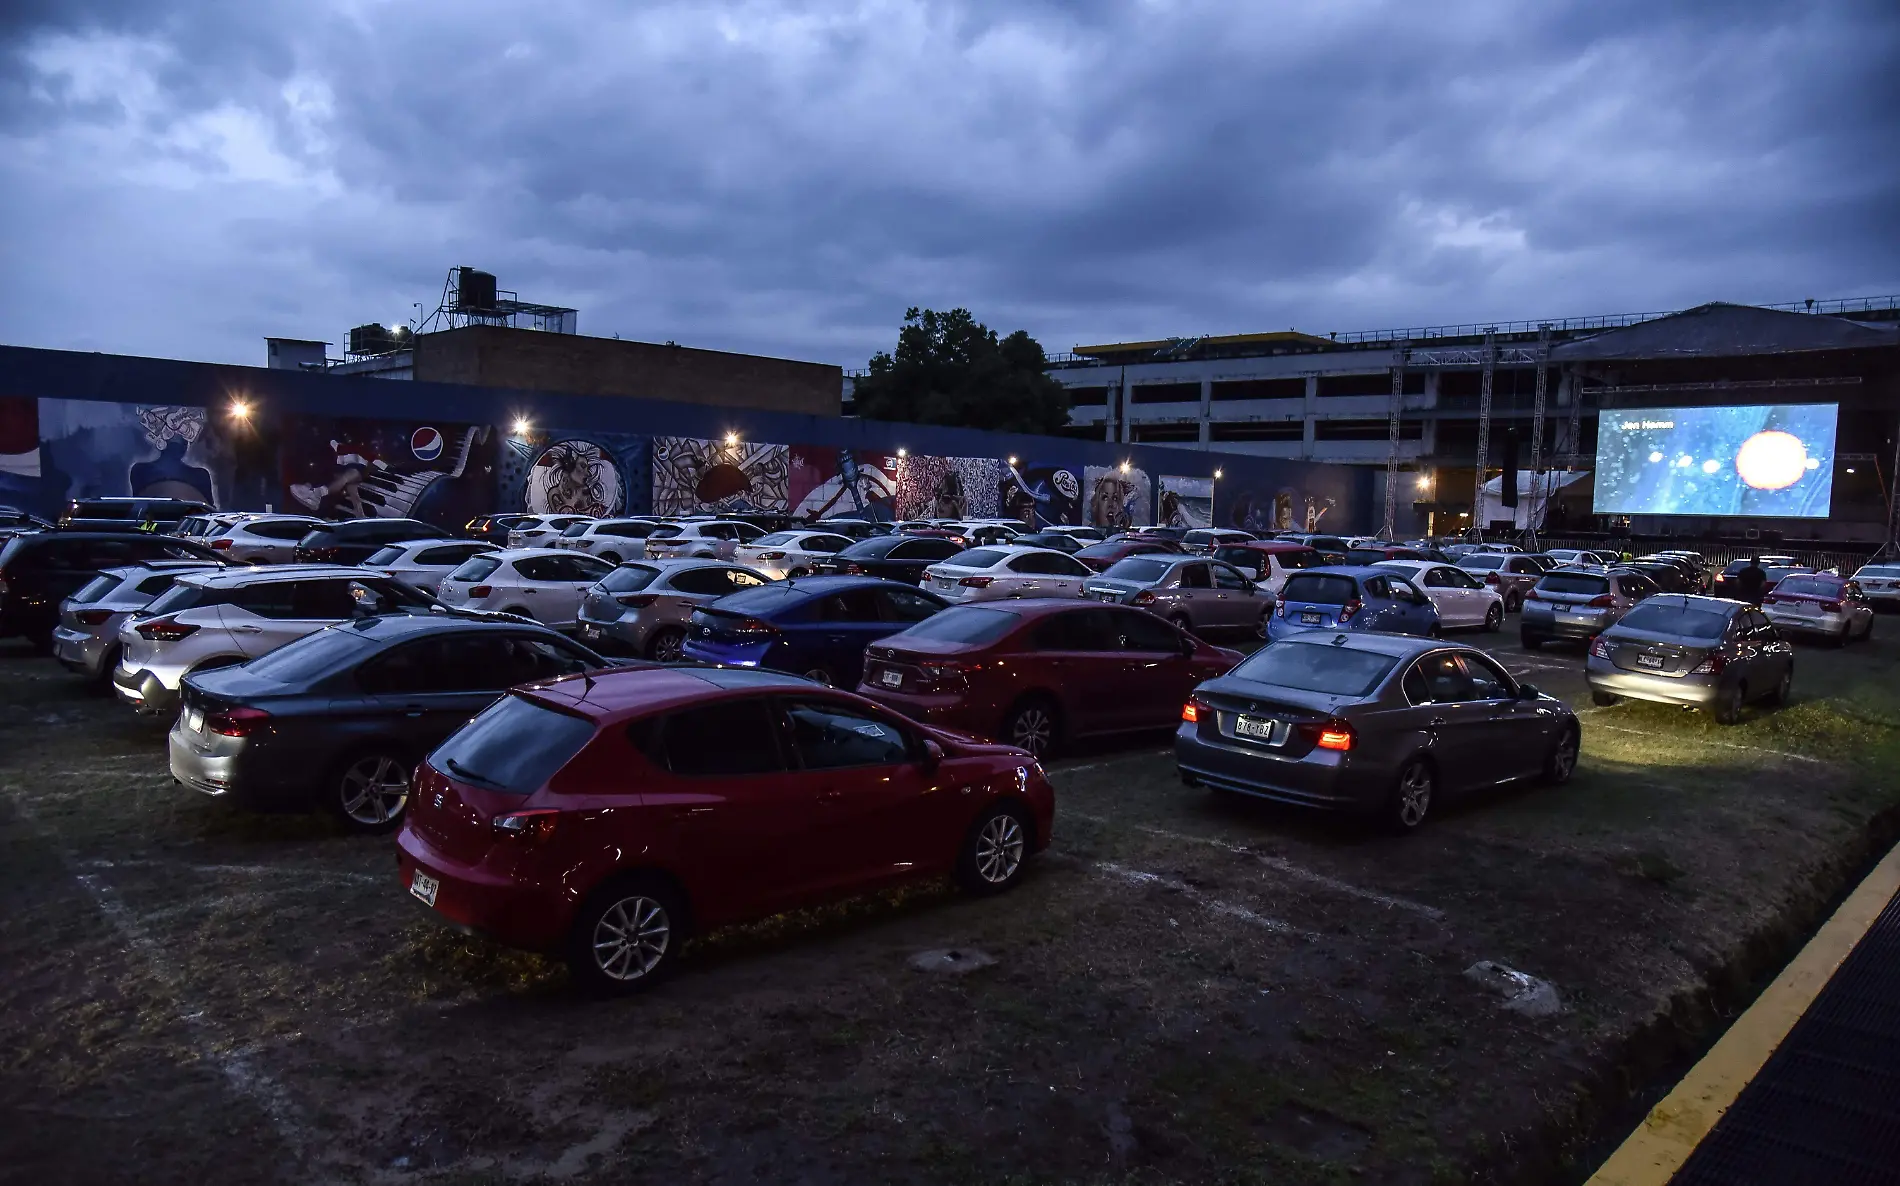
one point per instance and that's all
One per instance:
(1722, 330)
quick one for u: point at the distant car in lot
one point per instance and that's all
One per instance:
(1205, 539)
(1267, 563)
(817, 628)
(1083, 534)
(1351, 599)
(1061, 541)
(1775, 569)
(644, 608)
(1461, 599)
(986, 574)
(14, 521)
(86, 640)
(424, 562)
(1191, 592)
(1511, 574)
(259, 539)
(1669, 578)
(1319, 543)
(1583, 557)
(1579, 603)
(613, 540)
(607, 820)
(710, 539)
(1374, 724)
(1821, 605)
(1040, 673)
(1361, 555)
(542, 584)
(893, 557)
(493, 529)
(855, 529)
(977, 533)
(1100, 557)
(156, 515)
(339, 718)
(540, 531)
(1695, 577)
(1880, 584)
(356, 540)
(40, 570)
(1697, 652)
(218, 619)
(789, 553)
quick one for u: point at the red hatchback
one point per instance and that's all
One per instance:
(1041, 671)
(606, 818)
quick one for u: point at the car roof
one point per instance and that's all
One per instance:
(1272, 546)
(124, 570)
(1397, 645)
(1407, 564)
(530, 553)
(230, 577)
(1350, 570)
(676, 563)
(386, 626)
(615, 695)
(1695, 601)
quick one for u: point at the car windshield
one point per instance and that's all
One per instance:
(1101, 551)
(96, 588)
(1811, 586)
(1574, 582)
(1683, 621)
(515, 746)
(978, 558)
(1880, 572)
(384, 556)
(666, 531)
(766, 599)
(1138, 568)
(311, 656)
(1483, 562)
(475, 568)
(629, 578)
(179, 596)
(1320, 589)
(1334, 671)
(971, 624)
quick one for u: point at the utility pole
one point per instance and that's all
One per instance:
(1538, 481)
(1484, 430)
(1399, 356)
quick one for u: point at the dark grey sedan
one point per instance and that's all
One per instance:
(1382, 725)
(1697, 652)
(1195, 593)
(339, 718)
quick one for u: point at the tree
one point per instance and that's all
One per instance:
(950, 368)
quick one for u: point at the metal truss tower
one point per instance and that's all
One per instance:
(1484, 431)
(1399, 357)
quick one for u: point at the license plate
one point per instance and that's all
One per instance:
(1257, 728)
(891, 679)
(195, 719)
(424, 886)
(1807, 607)
(1309, 617)
(1105, 596)
(1653, 662)
(941, 583)
(590, 633)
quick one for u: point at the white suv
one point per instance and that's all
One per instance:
(613, 540)
(537, 583)
(424, 562)
(217, 619)
(537, 531)
(712, 539)
(260, 539)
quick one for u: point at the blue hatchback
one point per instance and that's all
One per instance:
(816, 627)
(1351, 599)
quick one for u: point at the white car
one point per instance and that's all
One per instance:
(260, 539)
(1574, 557)
(789, 553)
(209, 523)
(1461, 599)
(1206, 539)
(716, 539)
(986, 574)
(613, 540)
(545, 584)
(537, 531)
(1094, 535)
(232, 615)
(424, 562)
(1880, 584)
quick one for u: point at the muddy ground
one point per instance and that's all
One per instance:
(1185, 988)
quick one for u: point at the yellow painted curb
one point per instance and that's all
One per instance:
(1669, 1134)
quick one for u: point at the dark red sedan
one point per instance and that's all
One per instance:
(1041, 671)
(1100, 556)
(605, 818)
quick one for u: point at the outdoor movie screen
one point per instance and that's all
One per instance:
(1770, 460)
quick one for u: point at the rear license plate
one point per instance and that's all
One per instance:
(195, 720)
(1654, 662)
(424, 886)
(1807, 607)
(590, 633)
(1105, 596)
(1256, 728)
(891, 679)
(1309, 617)
(941, 583)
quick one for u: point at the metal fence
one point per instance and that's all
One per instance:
(1719, 554)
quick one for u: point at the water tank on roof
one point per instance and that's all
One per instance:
(474, 290)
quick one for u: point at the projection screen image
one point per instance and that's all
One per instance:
(1771, 460)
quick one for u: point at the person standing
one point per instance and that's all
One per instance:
(1752, 579)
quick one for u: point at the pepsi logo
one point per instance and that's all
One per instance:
(426, 444)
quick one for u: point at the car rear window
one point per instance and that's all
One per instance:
(629, 578)
(775, 539)
(1367, 556)
(576, 530)
(1813, 586)
(666, 531)
(1320, 589)
(515, 746)
(1483, 563)
(475, 568)
(1138, 568)
(766, 599)
(1880, 572)
(384, 556)
(94, 589)
(311, 656)
(1574, 582)
(978, 558)
(1333, 671)
(178, 597)
(1684, 621)
(107, 510)
(968, 624)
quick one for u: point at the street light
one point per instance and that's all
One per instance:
(1125, 467)
(522, 426)
(241, 410)
(732, 438)
(1217, 475)
(902, 452)
(1012, 461)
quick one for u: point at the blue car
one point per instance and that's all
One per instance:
(1351, 599)
(816, 627)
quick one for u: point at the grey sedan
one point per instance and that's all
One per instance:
(640, 609)
(1698, 652)
(1192, 592)
(1579, 603)
(87, 637)
(1378, 724)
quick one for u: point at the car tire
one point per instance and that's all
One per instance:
(995, 850)
(1181, 622)
(519, 611)
(1032, 724)
(1514, 603)
(1434, 631)
(1604, 699)
(820, 675)
(796, 573)
(612, 557)
(667, 645)
(1562, 762)
(1727, 709)
(1782, 690)
(626, 937)
(1263, 628)
(1410, 804)
(369, 790)
(1494, 618)
(1530, 641)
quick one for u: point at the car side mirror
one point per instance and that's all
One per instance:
(1528, 692)
(933, 754)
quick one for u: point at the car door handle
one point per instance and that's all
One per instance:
(1436, 721)
(247, 630)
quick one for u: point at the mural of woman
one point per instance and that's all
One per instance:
(574, 477)
(169, 475)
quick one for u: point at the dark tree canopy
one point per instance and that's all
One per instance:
(950, 368)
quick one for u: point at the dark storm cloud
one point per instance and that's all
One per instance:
(780, 176)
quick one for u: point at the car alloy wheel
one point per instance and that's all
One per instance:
(994, 851)
(611, 557)
(1032, 727)
(667, 646)
(1563, 759)
(1262, 627)
(818, 675)
(1493, 618)
(1412, 798)
(1728, 706)
(630, 938)
(1785, 686)
(372, 792)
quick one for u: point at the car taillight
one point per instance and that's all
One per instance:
(481, 590)
(1710, 666)
(1490, 578)
(1771, 600)
(529, 827)
(166, 629)
(1191, 712)
(1831, 607)
(1281, 609)
(1532, 595)
(637, 600)
(1336, 735)
(976, 582)
(1347, 610)
(856, 570)
(221, 545)
(1145, 597)
(771, 555)
(1600, 647)
(236, 722)
(947, 676)
(1604, 602)
(93, 617)
(751, 626)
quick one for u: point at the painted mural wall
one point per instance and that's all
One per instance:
(1118, 497)
(357, 468)
(692, 475)
(19, 451)
(576, 471)
(1186, 502)
(89, 449)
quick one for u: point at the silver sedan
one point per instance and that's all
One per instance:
(1192, 592)
(641, 608)
(1697, 652)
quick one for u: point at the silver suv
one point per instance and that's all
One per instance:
(1580, 603)
(641, 609)
(1192, 592)
(217, 619)
(87, 637)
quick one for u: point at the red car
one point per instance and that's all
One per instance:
(1100, 556)
(1041, 671)
(606, 817)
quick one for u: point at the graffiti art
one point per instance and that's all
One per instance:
(1041, 494)
(947, 487)
(691, 475)
(1186, 502)
(1118, 497)
(825, 483)
(90, 449)
(362, 469)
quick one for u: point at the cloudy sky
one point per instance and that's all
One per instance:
(184, 177)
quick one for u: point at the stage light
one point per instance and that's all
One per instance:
(240, 410)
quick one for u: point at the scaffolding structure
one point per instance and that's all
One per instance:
(1489, 361)
(470, 297)
(1539, 484)
(1399, 358)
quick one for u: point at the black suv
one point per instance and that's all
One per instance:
(356, 540)
(156, 515)
(39, 571)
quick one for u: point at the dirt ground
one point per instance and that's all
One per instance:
(1185, 988)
